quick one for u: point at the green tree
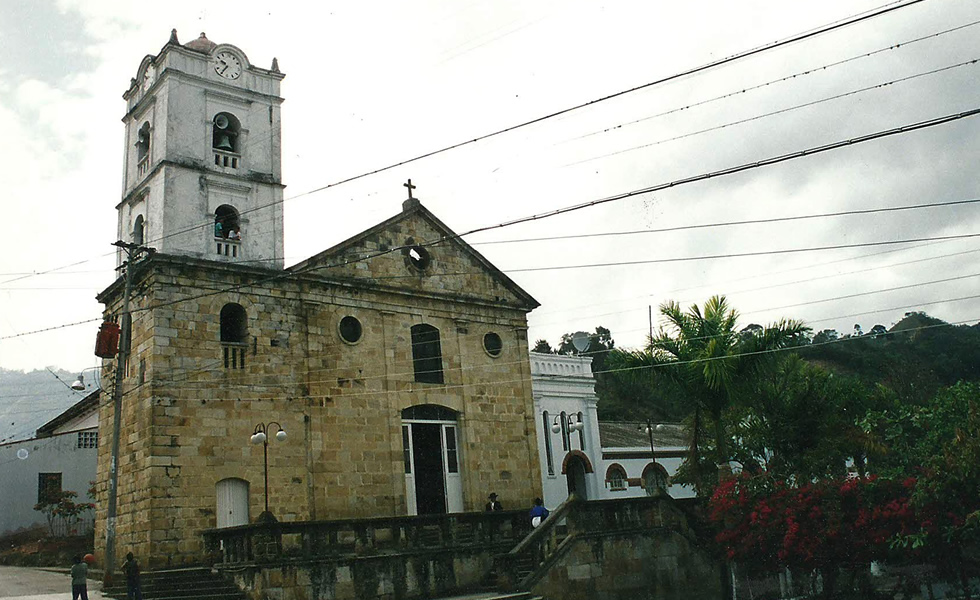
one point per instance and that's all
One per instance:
(799, 422)
(702, 351)
(542, 346)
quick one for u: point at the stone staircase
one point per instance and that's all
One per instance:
(179, 584)
(495, 596)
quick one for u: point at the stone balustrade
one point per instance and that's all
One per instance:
(311, 540)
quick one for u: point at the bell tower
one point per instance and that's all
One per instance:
(202, 170)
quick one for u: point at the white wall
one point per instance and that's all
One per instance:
(566, 383)
(19, 476)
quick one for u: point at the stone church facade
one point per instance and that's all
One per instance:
(396, 361)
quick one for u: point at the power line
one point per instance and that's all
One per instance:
(779, 80)
(733, 170)
(626, 263)
(699, 69)
(842, 213)
(704, 176)
(820, 30)
(775, 112)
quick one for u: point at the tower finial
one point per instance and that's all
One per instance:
(173, 37)
(275, 65)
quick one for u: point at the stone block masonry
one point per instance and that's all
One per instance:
(188, 414)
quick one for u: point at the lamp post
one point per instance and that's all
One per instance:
(573, 426)
(649, 428)
(79, 384)
(261, 436)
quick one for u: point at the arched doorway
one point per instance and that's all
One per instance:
(430, 447)
(232, 501)
(575, 467)
(655, 479)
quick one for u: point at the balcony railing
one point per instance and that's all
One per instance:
(234, 354)
(228, 247)
(305, 540)
(143, 166)
(226, 160)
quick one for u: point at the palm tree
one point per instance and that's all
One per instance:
(702, 351)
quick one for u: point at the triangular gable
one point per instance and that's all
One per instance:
(390, 255)
(81, 415)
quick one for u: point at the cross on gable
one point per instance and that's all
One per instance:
(410, 188)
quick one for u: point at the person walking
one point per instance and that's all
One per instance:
(132, 570)
(538, 512)
(79, 573)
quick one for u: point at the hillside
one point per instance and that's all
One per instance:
(29, 400)
(916, 357)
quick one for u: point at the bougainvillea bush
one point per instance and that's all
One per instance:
(767, 525)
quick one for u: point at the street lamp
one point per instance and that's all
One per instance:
(79, 384)
(654, 489)
(573, 426)
(260, 436)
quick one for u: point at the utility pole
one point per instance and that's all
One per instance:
(132, 253)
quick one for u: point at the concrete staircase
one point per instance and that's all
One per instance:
(179, 584)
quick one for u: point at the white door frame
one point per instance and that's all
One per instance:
(232, 502)
(452, 480)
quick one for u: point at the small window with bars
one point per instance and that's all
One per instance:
(88, 439)
(48, 487)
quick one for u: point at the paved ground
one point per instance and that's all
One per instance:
(38, 584)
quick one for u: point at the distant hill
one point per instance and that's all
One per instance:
(916, 357)
(29, 400)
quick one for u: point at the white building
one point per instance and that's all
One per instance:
(60, 457)
(596, 460)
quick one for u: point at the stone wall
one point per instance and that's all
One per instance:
(632, 566)
(390, 577)
(187, 418)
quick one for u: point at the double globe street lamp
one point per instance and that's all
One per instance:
(261, 436)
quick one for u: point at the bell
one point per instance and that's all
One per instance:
(224, 143)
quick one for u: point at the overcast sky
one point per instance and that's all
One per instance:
(369, 84)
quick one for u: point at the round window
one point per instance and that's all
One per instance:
(418, 257)
(493, 344)
(350, 330)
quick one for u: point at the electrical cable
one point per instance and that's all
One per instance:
(774, 112)
(842, 23)
(779, 80)
(696, 178)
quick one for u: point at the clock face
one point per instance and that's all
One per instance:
(227, 65)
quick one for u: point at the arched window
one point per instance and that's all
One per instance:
(138, 230)
(566, 438)
(143, 149)
(426, 354)
(234, 335)
(226, 224)
(548, 450)
(616, 478)
(224, 133)
(143, 142)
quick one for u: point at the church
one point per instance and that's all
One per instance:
(387, 375)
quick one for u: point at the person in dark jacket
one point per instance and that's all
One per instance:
(493, 504)
(538, 512)
(132, 570)
(79, 573)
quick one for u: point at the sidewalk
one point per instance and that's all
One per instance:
(26, 583)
